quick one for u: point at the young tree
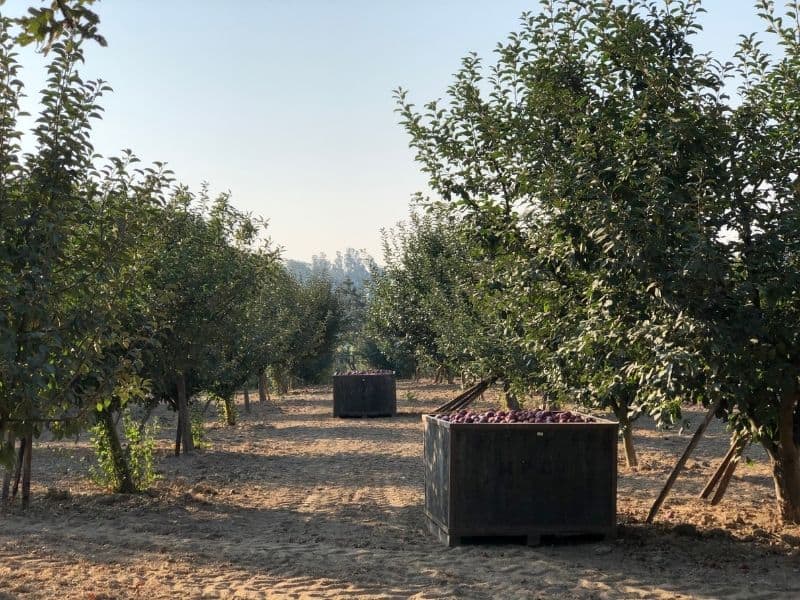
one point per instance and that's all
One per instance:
(200, 271)
(318, 325)
(352, 304)
(400, 319)
(69, 239)
(251, 331)
(434, 302)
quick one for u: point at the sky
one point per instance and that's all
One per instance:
(288, 104)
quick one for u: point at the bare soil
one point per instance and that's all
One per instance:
(292, 503)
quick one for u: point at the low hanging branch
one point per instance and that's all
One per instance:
(468, 397)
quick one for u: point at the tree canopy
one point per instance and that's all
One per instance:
(644, 219)
(119, 285)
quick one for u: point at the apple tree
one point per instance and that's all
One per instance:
(647, 219)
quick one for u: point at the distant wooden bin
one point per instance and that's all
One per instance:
(369, 395)
(520, 479)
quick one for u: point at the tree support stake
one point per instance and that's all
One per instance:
(682, 461)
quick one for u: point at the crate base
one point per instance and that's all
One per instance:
(370, 416)
(536, 538)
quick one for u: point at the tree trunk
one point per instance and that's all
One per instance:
(511, 399)
(184, 420)
(123, 479)
(26, 471)
(280, 379)
(787, 486)
(145, 419)
(10, 469)
(786, 462)
(262, 387)
(230, 411)
(178, 431)
(630, 451)
(18, 467)
(246, 396)
(626, 427)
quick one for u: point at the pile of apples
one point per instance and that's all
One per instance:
(368, 372)
(515, 416)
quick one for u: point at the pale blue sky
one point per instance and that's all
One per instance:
(288, 104)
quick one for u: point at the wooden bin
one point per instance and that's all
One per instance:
(372, 395)
(520, 479)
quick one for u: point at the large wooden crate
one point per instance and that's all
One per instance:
(369, 395)
(520, 479)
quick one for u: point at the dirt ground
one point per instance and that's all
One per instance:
(292, 503)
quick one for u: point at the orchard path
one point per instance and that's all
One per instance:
(292, 503)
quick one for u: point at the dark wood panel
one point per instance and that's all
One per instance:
(524, 479)
(436, 449)
(364, 395)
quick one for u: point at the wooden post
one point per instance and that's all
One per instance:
(453, 404)
(184, 420)
(466, 398)
(682, 461)
(726, 476)
(720, 470)
(262, 387)
(725, 480)
(472, 395)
